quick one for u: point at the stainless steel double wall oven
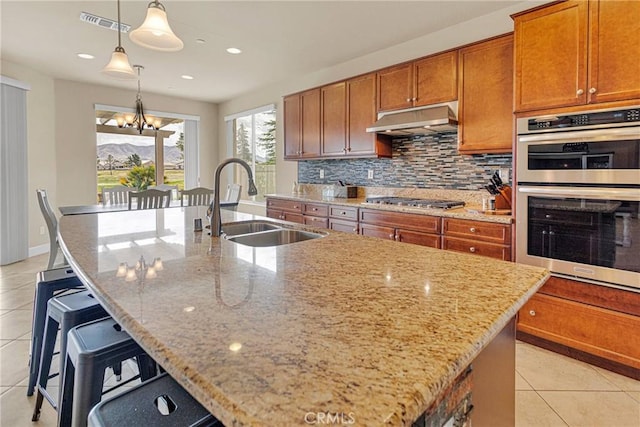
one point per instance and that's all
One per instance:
(578, 195)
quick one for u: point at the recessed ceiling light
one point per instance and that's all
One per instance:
(187, 77)
(85, 56)
(234, 50)
(201, 41)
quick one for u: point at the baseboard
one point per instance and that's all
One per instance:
(38, 250)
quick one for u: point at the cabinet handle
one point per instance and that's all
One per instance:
(295, 207)
(392, 236)
(592, 90)
(579, 92)
(355, 230)
(414, 99)
(408, 99)
(472, 249)
(348, 149)
(532, 312)
(472, 229)
(547, 216)
(314, 209)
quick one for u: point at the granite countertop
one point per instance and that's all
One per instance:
(470, 211)
(262, 336)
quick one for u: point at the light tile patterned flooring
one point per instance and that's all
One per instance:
(551, 390)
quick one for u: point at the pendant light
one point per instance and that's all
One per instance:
(155, 32)
(119, 67)
(139, 121)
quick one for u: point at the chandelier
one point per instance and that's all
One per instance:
(138, 121)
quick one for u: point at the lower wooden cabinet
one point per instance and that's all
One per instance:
(402, 227)
(343, 218)
(477, 237)
(601, 323)
(287, 210)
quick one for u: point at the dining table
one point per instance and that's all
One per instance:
(99, 208)
(341, 327)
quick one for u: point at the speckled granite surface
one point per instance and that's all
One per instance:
(264, 336)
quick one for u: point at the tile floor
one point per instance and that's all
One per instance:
(551, 390)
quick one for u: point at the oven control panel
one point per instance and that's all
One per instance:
(584, 119)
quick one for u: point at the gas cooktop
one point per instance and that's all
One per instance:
(415, 203)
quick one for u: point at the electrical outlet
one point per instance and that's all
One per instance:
(370, 174)
(42, 230)
(321, 173)
(504, 175)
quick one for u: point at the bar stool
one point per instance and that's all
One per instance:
(159, 402)
(65, 311)
(49, 283)
(91, 348)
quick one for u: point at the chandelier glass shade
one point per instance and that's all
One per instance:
(155, 32)
(119, 67)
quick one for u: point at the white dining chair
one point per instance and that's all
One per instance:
(118, 195)
(52, 225)
(164, 187)
(233, 193)
(199, 196)
(149, 199)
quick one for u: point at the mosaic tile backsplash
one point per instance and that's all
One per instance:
(417, 162)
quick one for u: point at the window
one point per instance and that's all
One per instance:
(254, 141)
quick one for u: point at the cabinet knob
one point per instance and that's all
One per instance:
(414, 99)
(343, 213)
(392, 236)
(355, 230)
(579, 92)
(592, 90)
(547, 216)
(348, 149)
(295, 206)
(314, 209)
(472, 249)
(408, 99)
(532, 312)
(472, 229)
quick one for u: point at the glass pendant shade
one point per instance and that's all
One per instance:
(155, 32)
(119, 67)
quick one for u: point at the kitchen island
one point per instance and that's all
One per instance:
(370, 332)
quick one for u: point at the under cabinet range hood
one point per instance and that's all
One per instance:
(417, 121)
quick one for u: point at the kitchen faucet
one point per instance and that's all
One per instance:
(216, 221)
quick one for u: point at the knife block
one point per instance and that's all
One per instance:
(503, 200)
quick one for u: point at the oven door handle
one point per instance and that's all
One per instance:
(608, 193)
(594, 135)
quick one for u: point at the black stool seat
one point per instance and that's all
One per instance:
(91, 348)
(159, 402)
(49, 283)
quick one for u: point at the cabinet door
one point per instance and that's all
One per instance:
(310, 113)
(395, 88)
(475, 247)
(292, 128)
(378, 231)
(343, 225)
(418, 238)
(614, 51)
(334, 119)
(361, 107)
(486, 84)
(436, 79)
(551, 56)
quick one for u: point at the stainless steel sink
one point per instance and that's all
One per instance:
(282, 236)
(248, 227)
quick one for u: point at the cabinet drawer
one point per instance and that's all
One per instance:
(315, 209)
(477, 230)
(343, 225)
(285, 205)
(602, 332)
(426, 223)
(492, 250)
(343, 212)
(285, 216)
(316, 221)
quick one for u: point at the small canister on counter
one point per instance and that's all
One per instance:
(492, 203)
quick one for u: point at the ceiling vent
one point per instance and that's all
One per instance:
(103, 22)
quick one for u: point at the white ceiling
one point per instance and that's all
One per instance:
(279, 40)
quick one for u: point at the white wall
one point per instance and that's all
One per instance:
(287, 171)
(61, 137)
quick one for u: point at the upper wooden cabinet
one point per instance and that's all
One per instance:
(485, 107)
(576, 52)
(302, 125)
(334, 119)
(331, 122)
(423, 82)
